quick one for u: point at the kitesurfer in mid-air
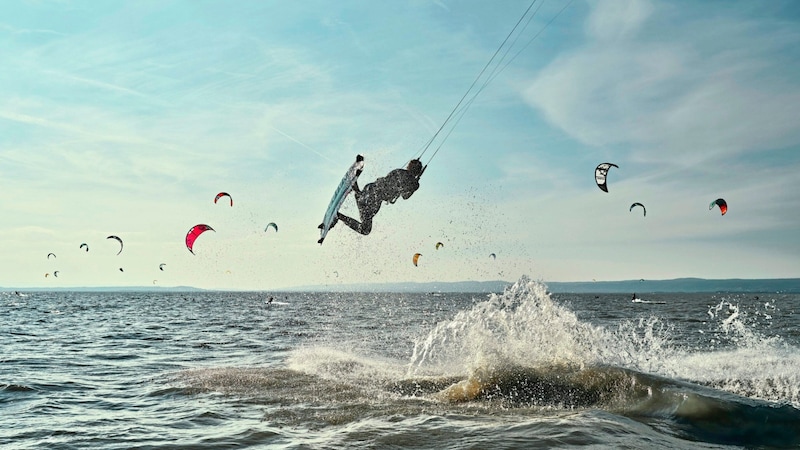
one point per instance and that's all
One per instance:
(399, 182)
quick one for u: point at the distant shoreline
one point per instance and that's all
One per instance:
(678, 285)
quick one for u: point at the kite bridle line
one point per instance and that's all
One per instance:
(474, 82)
(459, 110)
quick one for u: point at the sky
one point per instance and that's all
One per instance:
(127, 118)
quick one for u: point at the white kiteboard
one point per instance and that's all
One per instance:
(345, 186)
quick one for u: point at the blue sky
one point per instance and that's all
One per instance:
(127, 118)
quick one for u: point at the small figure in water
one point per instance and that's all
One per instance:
(633, 299)
(270, 300)
(399, 182)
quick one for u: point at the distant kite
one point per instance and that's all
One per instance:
(119, 240)
(723, 205)
(273, 225)
(161, 266)
(51, 254)
(439, 245)
(493, 256)
(85, 246)
(416, 258)
(644, 211)
(223, 194)
(193, 234)
(55, 274)
(600, 174)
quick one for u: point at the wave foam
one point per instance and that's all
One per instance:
(524, 328)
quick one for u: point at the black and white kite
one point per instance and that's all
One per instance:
(600, 174)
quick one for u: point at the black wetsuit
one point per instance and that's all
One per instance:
(399, 182)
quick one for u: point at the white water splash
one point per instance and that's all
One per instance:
(737, 326)
(741, 360)
(343, 366)
(525, 327)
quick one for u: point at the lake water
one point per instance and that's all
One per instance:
(516, 370)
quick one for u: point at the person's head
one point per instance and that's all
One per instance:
(414, 167)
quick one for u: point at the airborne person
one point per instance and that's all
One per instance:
(399, 182)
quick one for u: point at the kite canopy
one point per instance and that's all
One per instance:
(492, 255)
(273, 225)
(85, 246)
(223, 194)
(439, 245)
(194, 233)
(161, 266)
(600, 174)
(644, 211)
(723, 205)
(416, 258)
(120, 242)
(51, 254)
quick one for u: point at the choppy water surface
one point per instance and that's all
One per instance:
(522, 369)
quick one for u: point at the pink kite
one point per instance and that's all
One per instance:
(223, 194)
(194, 233)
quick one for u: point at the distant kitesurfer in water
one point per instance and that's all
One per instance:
(399, 182)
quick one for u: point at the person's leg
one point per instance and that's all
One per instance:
(364, 227)
(367, 208)
(349, 221)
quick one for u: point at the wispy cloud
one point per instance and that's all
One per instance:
(708, 89)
